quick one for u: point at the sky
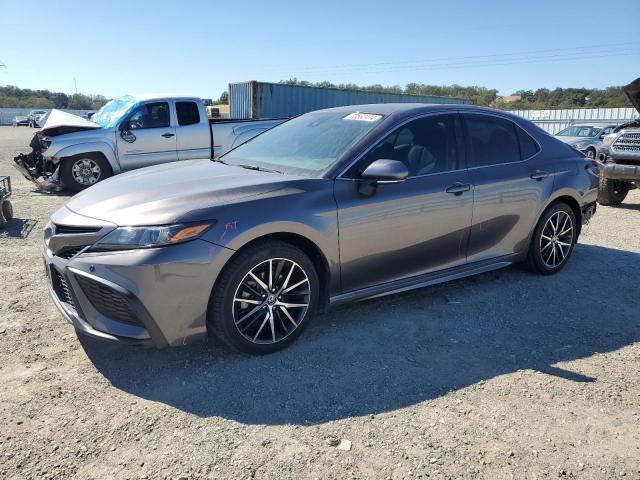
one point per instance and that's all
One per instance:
(198, 47)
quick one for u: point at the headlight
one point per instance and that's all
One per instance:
(128, 238)
(580, 145)
(608, 139)
(45, 142)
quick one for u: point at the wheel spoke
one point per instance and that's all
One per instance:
(270, 274)
(293, 305)
(288, 315)
(254, 310)
(264, 322)
(545, 247)
(248, 300)
(259, 282)
(294, 286)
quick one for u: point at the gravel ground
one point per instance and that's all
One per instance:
(504, 375)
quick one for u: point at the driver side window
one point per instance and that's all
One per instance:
(150, 115)
(425, 146)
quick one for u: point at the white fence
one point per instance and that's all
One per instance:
(555, 120)
(8, 114)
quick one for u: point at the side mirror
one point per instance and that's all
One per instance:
(386, 171)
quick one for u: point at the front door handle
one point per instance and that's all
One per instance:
(459, 188)
(168, 135)
(539, 175)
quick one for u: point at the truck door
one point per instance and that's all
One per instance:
(193, 132)
(147, 137)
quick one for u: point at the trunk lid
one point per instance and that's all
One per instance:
(633, 92)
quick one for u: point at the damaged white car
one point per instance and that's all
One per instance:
(73, 153)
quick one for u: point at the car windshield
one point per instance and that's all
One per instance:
(113, 111)
(579, 131)
(305, 145)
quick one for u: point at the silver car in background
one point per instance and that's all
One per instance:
(585, 138)
(333, 206)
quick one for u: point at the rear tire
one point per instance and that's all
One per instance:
(553, 240)
(252, 318)
(612, 192)
(82, 171)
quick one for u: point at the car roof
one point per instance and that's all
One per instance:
(145, 97)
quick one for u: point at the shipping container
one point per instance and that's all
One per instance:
(276, 100)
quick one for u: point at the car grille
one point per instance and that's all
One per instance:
(66, 229)
(627, 142)
(108, 301)
(61, 287)
(69, 252)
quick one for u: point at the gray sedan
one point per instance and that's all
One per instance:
(333, 206)
(585, 138)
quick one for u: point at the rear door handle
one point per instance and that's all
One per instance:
(459, 188)
(539, 175)
(168, 135)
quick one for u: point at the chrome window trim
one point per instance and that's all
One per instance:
(389, 131)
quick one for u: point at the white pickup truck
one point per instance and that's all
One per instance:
(127, 133)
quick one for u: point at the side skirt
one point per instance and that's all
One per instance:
(425, 280)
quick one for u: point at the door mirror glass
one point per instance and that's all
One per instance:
(386, 171)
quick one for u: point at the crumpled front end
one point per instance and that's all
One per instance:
(34, 166)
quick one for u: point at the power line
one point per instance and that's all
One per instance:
(486, 63)
(471, 60)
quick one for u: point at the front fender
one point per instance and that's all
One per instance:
(101, 147)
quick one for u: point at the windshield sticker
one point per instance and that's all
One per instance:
(363, 117)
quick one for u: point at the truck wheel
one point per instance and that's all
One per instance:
(611, 192)
(591, 153)
(81, 171)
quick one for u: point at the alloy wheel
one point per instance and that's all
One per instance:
(86, 171)
(556, 239)
(271, 301)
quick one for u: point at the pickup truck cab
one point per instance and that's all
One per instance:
(127, 133)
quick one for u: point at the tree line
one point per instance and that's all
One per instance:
(542, 98)
(14, 97)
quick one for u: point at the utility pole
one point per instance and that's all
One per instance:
(75, 85)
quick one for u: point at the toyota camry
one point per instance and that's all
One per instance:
(333, 206)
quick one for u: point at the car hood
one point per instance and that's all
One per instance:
(59, 122)
(633, 92)
(172, 192)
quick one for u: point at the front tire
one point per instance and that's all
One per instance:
(81, 171)
(591, 153)
(264, 298)
(553, 240)
(611, 192)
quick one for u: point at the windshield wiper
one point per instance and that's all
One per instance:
(219, 160)
(259, 169)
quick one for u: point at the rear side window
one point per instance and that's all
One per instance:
(492, 140)
(528, 146)
(187, 113)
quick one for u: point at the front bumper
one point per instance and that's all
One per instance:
(617, 171)
(153, 297)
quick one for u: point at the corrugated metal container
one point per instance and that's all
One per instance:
(274, 100)
(553, 121)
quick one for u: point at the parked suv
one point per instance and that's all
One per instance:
(619, 156)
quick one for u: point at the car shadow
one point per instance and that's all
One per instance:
(389, 353)
(17, 228)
